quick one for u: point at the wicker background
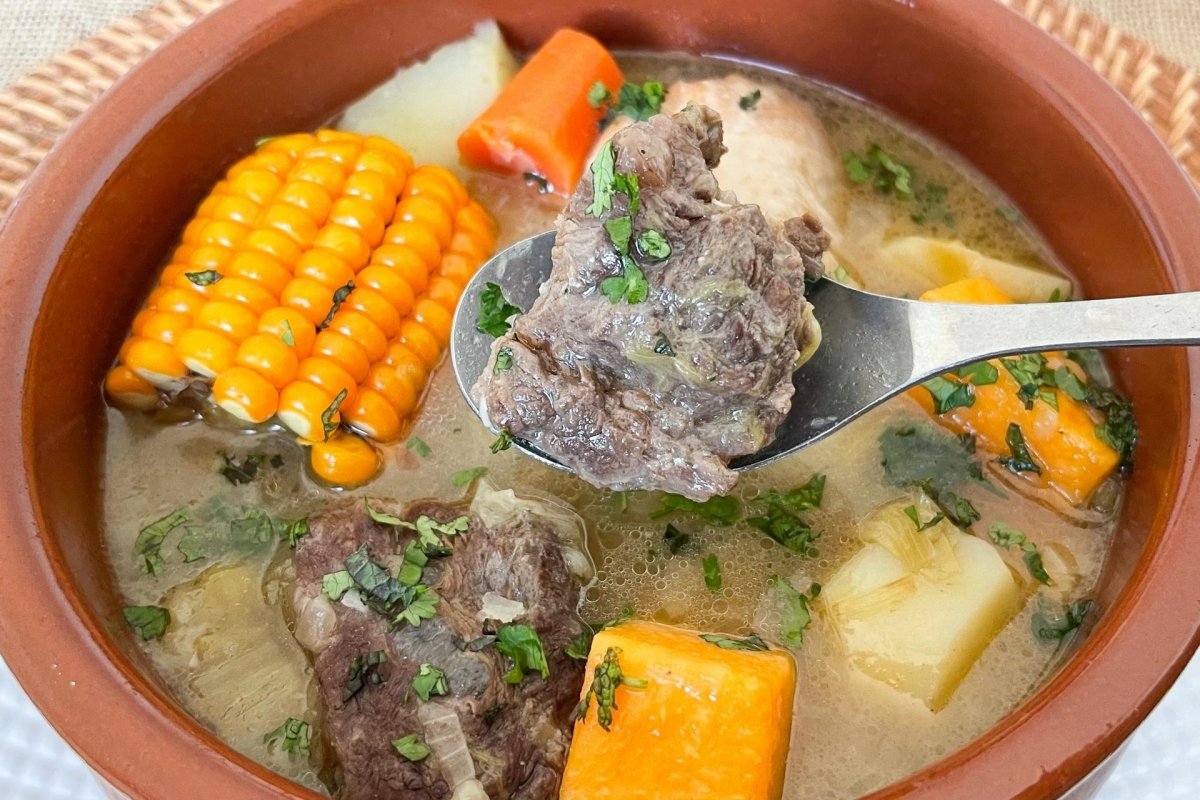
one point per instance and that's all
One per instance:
(1163, 759)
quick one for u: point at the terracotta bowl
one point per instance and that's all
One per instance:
(85, 238)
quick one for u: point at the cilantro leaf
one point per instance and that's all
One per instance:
(653, 245)
(752, 643)
(293, 737)
(364, 669)
(418, 446)
(981, 373)
(606, 677)
(626, 183)
(327, 421)
(336, 584)
(602, 169)
(639, 101)
(797, 614)
(619, 229)
(429, 682)
(411, 747)
(712, 572)
(948, 395)
(149, 621)
(912, 513)
(747, 102)
(719, 510)
(503, 441)
(1007, 538)
(148, 543)
(504, 360)
(1060, 626)
(495, 311)
(599, 96)
(384, 518)
(467, 476)
(1019, 459)
(675, 539)
(923, 456)
(203, 278)
(522, 644)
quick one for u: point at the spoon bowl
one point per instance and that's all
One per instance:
(873, 347)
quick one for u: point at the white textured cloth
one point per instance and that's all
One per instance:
(1163, 759)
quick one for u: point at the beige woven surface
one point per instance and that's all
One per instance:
(35, 110)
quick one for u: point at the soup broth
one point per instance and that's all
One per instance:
(229, 656)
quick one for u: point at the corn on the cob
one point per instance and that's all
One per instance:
(315, 285)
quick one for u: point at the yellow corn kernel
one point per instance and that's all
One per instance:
(414, 335)
(310, 299)
(154, 362)
(269, 357)
(292, 328)
(208, 256)
(292, 222)
(235, 321)
(457, 268)
(128, 390)
(375, 162)
(342, 152)
(449, 180)
(308, 196)
(472, 245)
(474, 220)
(256, 185)
(191, 233)
(325, 267)
(389, 285)
(373, 415)
(395, 388)
(345, 460)
(344, 352)
(292, 143)
(417, 237)
(222, 233)
(306, 409)
(371, 186)
(239, 210)
(244, 292)
(326, 374)
(407, 364)
(434, 319)
(396, 154)
(423, 183)
(261, 269)
(375, 307)
(361, 330)
(205, 351)
(444, 292)
(275, 162)
(172, 298)
(165, 326)
(348, 243)
(405, 262)
(206, 205)
(328, 175)
(360, 215)
(274, 243)
(245, 394)
(430, 213)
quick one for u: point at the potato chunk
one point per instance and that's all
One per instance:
(710, 722)
(915, 609)
(424, 107)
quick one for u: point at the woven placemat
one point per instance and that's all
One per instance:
(36, 110)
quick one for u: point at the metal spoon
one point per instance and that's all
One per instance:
(873, 347)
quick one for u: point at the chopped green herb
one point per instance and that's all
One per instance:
(1007, 538)
(149, 540)
(675, 539)
(619, 229)
(384, 518)
(1069, 384)
(494, 311)
(602, 180)
(959, 510)
(411, 748)
(630, 286)
(336, 584)
(1119, 429)
(1055, 296)
(339, 297)
(149, 621)
(599, 95)
(841, 274)
(912, 513)
(580, 646)
(663, 346)
(802, 498)
(747, 102)
(292, 531)
(639, 101)
(653, 245)
(719, 510)
(504, 360)
(881, 169)
(418, 446)
(191, 546)
(797, 611)
(626, 183)
(423, 606)
(923, 456)
(429, 682)
(948, 395)
(204, 278)
(1030, 373)
(981, 373)
(606, 677)
(856, 168)
(543, 185)
(467, 476)
(413, 567)
(251, 532)
(503, 441)
(328, 424)
(1060, 626)
(292, 736)
(781, 521)
(712, 572)
(288, 335)
(1008, 214)
(1019, 459)
(522, 644)
(752, 643)
(386, 595)
(364, 669)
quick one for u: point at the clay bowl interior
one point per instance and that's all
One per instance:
(84, 242)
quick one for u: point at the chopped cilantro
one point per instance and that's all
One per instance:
(675, 539)
(203, 278)
(495, 311)
(418, 446)
(1060, 626)
(336, 584)
(580, 646)
(429, 682)
(327, 422)
(606, 677)
(504, 360)
(620, 230)
(889, 176)
(293, 737)
(1119, 429)
(924, 456)
(752, 643)
(631, 286)
(626, 183)
(149, 540)
(949, 395)
(912, 513)
(599, 96)
(503, 441)
(712, 572)
(663, 346)
(1019, 459)
(719, 510)
(292, 531)
(382, 517)
(411, 747)
(981, 373)
(780, 520)
(653, 245)
(364, 669)
(1007, 538)
(288, 335)
(149, 621)
(238, 473)
(386, 595)
(339, 297)
(467, 476)
(602, 180)
(1070, 384)
(522, 644)
(797, 612)
(639, 101)
(747, 102)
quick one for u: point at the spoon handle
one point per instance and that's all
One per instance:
(947, 335)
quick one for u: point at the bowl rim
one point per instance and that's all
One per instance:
(69, 665)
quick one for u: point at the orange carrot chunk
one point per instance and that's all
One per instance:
(542, 122)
